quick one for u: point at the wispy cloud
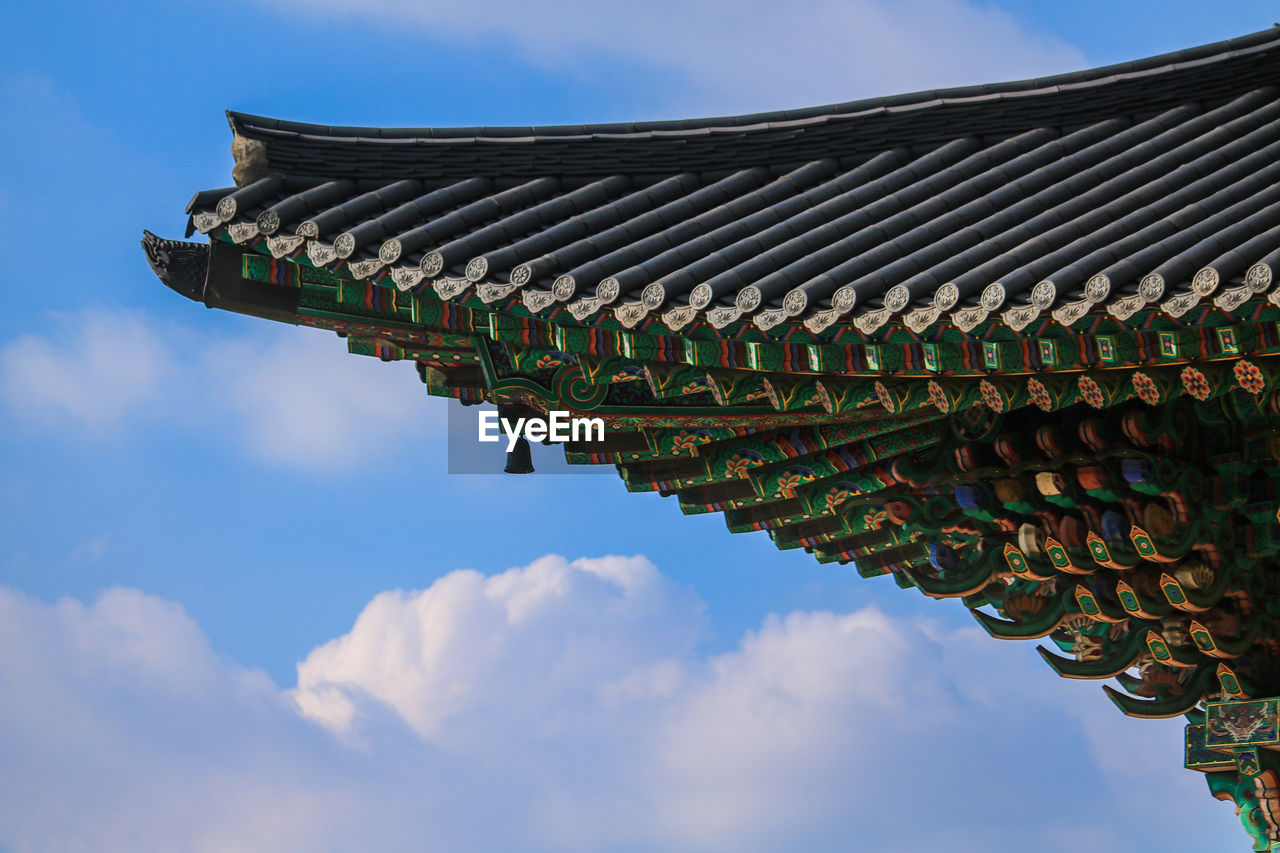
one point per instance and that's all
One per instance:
(300, 399)
(292, 397)
(90, 551)
(97, 370)
(560, 706)
(736, 55)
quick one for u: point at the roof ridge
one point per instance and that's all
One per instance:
(255, 126)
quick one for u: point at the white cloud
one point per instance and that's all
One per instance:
(561, 706)
(116, 716)
(735, 55)
(90, 550)
(96, 371)
(302, 400)
(471, 648)
(294, 397)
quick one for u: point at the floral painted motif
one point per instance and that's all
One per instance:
(1146, 388)
(837, 497)
(1195, 383)
(938, 397)
(1092, 392)
(788, 482)
(553, 359)
(738, 466)
(874, 518)
(991, 396)
(1249, 376)
(694, 387)
(688, 441)
(1039, 394)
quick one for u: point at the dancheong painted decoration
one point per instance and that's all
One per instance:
(1015, 344)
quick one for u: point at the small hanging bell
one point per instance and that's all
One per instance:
(518, 459)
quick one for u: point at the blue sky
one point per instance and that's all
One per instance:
(242, 605)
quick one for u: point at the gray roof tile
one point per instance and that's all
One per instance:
(1166, 165)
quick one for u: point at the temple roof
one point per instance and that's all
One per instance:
(1013, 344)
(1151, 182)
(772, 139)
